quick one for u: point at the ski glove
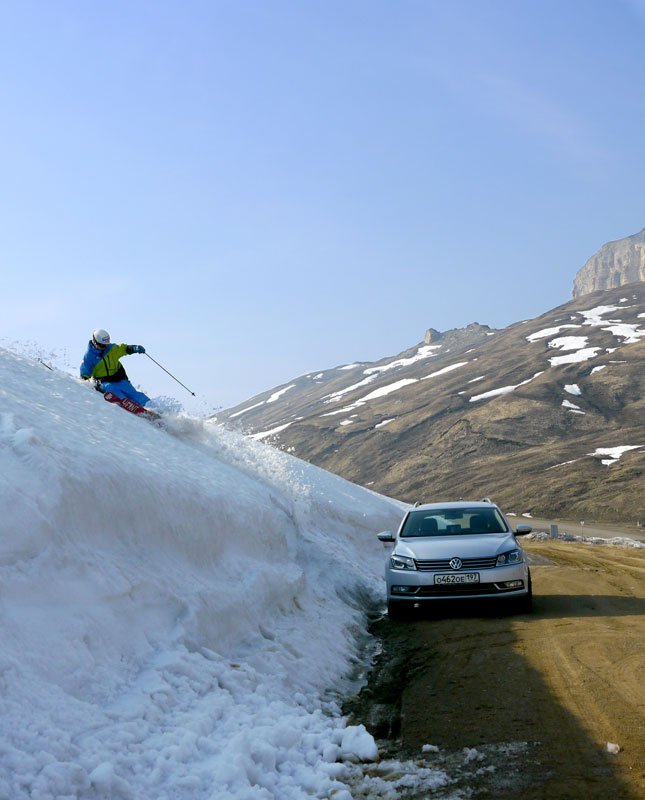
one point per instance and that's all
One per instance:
(138, 348)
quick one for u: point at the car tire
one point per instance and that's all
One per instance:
(397, 610)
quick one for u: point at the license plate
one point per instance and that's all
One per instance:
(462, 577)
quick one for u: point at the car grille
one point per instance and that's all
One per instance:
(444, 564)
(461, 590)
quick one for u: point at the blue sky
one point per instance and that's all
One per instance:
(256, 190)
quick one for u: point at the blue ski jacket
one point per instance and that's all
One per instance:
(105, 365)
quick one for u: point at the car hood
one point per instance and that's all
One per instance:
(463, 546)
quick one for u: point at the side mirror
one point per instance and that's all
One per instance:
(385, 536)
(522, 530)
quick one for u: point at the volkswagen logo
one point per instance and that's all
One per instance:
(455, 563)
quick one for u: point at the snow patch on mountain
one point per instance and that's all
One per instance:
(502, 390)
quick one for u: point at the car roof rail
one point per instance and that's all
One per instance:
(418, 503)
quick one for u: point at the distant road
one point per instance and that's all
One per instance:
(605, 530)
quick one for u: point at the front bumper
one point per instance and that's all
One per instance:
(417, 586)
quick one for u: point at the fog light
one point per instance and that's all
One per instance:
(513, 584)
(404, 589)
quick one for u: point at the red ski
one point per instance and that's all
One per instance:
(130, 405)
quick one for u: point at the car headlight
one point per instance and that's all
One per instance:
(402, 562)
(510, 557)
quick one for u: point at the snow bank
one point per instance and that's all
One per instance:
(613, 541)
(176, 604)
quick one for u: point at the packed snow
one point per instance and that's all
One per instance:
(272, 432)
(542, 334)
(568, 343)
(182, 608)
(630, 333)
(607, 455)
(248, 408)
(389, 388)
(576, 357)
(596, 317)
(272, 399)
(384, 422)
(565, 536)
(373, 373)
(613, 454)
(444, 370)
(277, 395)
(562, 464)
(423, 352)
(572, 407)
(382, 391)
(335, 396)
(502, 390)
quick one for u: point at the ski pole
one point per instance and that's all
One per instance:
(171, 375)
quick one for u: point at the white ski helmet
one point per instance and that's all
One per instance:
(100, 337)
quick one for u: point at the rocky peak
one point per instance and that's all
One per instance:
(471, 333)
(432, 336)
(615, 264)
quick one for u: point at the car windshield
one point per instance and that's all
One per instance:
(453, 521)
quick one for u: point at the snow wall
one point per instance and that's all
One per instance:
(179, 608)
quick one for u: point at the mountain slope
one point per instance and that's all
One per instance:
(522, 415)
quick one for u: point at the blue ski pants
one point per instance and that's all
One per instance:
(125, 389)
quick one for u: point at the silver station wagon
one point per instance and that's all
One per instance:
(457, 551)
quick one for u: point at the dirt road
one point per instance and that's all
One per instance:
(524, 705)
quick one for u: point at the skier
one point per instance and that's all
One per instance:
(102, 364)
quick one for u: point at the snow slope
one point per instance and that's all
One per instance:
(175, 605)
